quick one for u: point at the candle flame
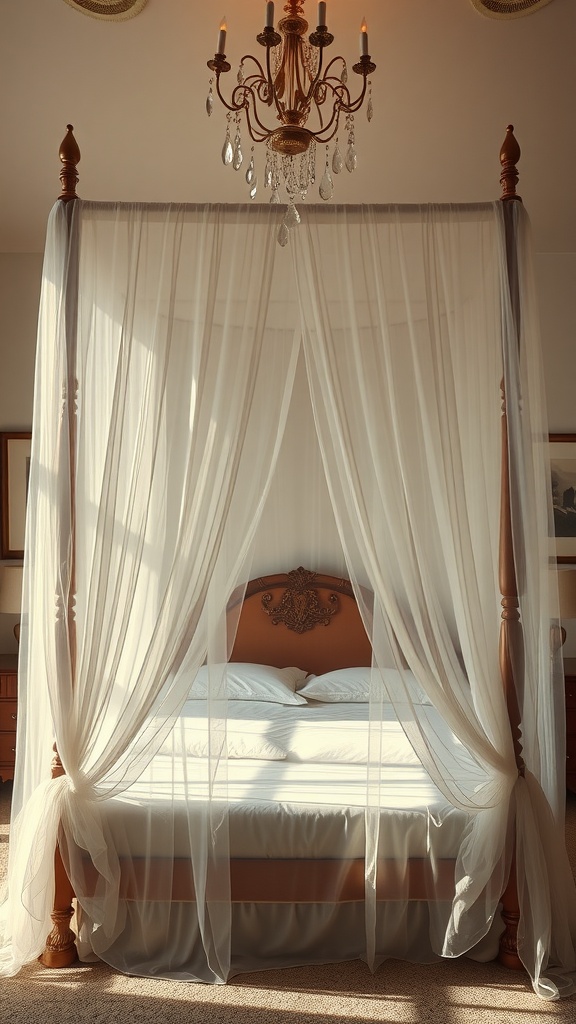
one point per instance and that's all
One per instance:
(223, 25)
(363, 26)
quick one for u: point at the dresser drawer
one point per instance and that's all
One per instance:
(7, 747)
(8, 685)
(8, 711)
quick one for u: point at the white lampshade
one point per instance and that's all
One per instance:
(11, 589)
(567, 593)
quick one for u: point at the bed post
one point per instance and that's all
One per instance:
(70, 158)
(60, 948)
(511, 652)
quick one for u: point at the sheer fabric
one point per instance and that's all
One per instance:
(160, 316)
(405, 340)
(168, 350)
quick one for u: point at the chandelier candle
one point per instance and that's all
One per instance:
(291, 100)
(364, 39)
(222, 37)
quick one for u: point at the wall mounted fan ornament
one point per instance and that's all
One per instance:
(508, 8)
(109, 10)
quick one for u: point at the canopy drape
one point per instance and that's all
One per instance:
(176, 344)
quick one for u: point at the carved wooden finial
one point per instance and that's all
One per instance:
(509, 157)
(70, 157)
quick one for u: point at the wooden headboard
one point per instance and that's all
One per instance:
(301, 618)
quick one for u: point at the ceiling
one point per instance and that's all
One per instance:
(448, 82)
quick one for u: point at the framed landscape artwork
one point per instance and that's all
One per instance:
(14, 474)
(563, 484)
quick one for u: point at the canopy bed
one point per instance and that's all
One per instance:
(256, 764)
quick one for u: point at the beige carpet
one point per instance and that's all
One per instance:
(459, 992)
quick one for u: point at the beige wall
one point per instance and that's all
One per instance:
(556, 278)
(20, 276)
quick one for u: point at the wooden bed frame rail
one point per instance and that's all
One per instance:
(60, 946)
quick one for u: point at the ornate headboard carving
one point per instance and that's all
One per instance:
(299, 608)
(301, 618)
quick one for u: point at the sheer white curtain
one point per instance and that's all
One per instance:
(408, 322)
(168, 348)
(156, 343)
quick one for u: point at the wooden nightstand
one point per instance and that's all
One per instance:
(8, 709)
(570, 685)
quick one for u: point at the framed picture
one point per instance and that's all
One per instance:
(563, 483)
(14, 475)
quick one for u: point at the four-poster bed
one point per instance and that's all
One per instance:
(391, 879)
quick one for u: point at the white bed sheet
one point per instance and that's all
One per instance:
(294, 807)
(285, 808)
(330, 732)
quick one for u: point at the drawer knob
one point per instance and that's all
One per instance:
(13, 717)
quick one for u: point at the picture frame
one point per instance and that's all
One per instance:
(15, 451)
(562, 448)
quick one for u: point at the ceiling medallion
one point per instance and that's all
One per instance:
(109, 10)
(508, 8)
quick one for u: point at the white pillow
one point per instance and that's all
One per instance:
(352, 686)
(346, 685)
(246, 681)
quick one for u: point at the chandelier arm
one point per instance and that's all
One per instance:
(255, 86)
(355, 105)
(340, 105)
(266, 132)
(234, 106)
(240, 97)
(229, 106)
(249, 56)
(249, 90)
(256, 136)
(333, 61)
(351, 106)
(339, 93)
(334, 120)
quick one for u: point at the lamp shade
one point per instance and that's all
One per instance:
(11, 589)
(567, 593)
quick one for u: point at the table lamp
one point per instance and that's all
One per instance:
(11, 593)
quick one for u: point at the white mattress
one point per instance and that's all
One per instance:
(308, 802)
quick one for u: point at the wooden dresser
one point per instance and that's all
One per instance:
(570, 688)
(8, 709)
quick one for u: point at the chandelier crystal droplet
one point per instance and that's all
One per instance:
(210, 100)
(291, 99)
(327, 184)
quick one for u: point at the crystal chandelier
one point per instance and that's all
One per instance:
(291, 104)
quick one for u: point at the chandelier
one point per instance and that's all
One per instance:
(292, 102)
